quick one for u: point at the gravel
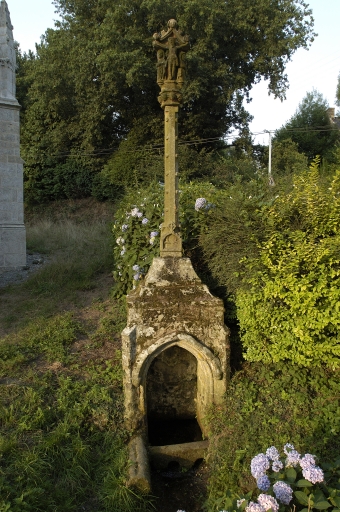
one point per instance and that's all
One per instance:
(34, 262)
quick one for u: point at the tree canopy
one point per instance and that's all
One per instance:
(311, 127)
(93, 78)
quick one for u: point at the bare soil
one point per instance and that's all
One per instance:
(180, 491)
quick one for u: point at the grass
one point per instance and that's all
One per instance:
(62, 435)
(79, 255)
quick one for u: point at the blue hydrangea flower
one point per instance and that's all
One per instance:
(277, 466)
(307, 460)
(288, 447)
(283, 492)
(200, 203)
(293, 459)
(135, 268)
(313, 474)
(153, 234)
(253, 507)
(137, 276)
(135, 212)
(145, 220)
(263, 483)
(268, 502)
(259, 465)
(272, 453)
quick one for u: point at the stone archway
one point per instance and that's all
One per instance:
(210, 386)
(171, 308)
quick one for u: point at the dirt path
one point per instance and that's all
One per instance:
(180, 491)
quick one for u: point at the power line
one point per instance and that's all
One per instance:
(192, 142)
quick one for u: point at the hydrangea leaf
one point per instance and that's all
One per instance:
(303, 483)
(291, 475)
(301, 497)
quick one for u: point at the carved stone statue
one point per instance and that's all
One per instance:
(171, 46)
(181, 69)
(161, 66)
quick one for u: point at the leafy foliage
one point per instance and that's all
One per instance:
(286, 159)
(138, 225)
(107, 92)
(234, 229)
(291, 311)
(310, 127)
(269, 404)
(137, 233)
(337, 94)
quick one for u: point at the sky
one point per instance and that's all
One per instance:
(318, 68)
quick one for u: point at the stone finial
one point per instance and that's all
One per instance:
(7, 55)
(171, 46)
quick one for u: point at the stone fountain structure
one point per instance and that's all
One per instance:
(175, 347)
(12, 229)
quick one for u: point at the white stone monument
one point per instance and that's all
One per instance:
(12, 229)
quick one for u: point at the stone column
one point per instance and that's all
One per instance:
(171, 46)
(12, 229)
(171, 242)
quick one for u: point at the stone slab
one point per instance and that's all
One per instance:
(139, 471)
(185, 454)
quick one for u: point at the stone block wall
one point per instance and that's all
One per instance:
(12, 229)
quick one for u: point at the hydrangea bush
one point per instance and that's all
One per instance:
(136, 231)
(137, 228)
(286, 482)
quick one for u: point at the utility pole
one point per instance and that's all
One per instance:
(271, 181)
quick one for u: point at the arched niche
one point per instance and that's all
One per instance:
(171, 398)
(209, 372)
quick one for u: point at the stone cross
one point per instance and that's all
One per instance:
(171, 46)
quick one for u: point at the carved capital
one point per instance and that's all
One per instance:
(170, 94)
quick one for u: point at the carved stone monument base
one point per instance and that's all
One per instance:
(175, 348)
